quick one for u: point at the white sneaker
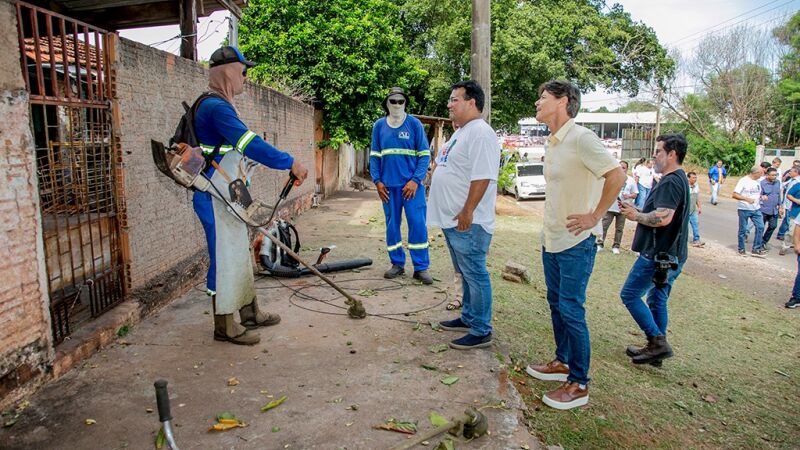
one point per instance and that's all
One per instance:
(615, 250)
(600, 248)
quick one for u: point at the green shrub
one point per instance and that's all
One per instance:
(738, 157)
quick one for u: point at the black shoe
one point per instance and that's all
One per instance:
(656, 349)
(742, 252)
(760, 253)
(454, 325)
(633, 350)
(792, 303)
(394, 272)
(470, 341)
(423, 276)
(657, 363)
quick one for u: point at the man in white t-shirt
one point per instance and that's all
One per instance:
(748, 192)
(627, 195)
(461, 202)
(644, 176)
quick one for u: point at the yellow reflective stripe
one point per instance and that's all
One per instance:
(395, 246)
(378, 154)
(244, 140)
(424, 153)
(398, 151)
(210, 149)
(417, 246)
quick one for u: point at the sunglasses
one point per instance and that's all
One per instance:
(397, 102)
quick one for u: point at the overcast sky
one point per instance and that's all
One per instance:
(678, 23)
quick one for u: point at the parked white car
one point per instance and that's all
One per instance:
(528, 181)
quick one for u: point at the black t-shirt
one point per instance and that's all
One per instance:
(672, 192)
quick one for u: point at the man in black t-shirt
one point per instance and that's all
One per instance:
(661, 240)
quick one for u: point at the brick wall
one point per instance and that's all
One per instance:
(165, 237)
(24, 321)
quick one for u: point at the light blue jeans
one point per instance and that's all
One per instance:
(566, 275)
(694, 221)
(643, 191)
(468, 250)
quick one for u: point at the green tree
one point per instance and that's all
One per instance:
(788, 103)
(533, 42)
(343, 53)
(601, 109)
(637, 106)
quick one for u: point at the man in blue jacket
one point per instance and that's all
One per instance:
(398, 162)
(716, 176)
(230, 272)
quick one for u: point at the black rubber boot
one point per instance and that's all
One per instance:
(394, 272)
(657, 349)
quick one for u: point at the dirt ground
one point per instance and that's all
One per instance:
(341, 376)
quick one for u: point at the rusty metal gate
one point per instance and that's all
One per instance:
(66, 68)
(637, 143)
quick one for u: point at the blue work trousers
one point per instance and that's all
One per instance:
(416, 210)
(566, 275)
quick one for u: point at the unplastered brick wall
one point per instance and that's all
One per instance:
(165, 237)
(25, 350)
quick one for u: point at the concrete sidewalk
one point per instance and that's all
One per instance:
(341, 376)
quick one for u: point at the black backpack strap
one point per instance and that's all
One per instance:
(193, 113)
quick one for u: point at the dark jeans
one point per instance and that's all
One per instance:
(468, 250)
(619, 227)
(754, 216)
(651, 318)
(771, 222)
(796, 288)
(566, 275)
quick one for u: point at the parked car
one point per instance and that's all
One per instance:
(528, 181)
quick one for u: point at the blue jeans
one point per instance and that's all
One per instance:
(566, 275)
(468, 250)
(758, 221)
(796, 287)
(643, 191)
(651, 318)
(694, 221)
(784, 226)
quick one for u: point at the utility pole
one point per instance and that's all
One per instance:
(481, 58)
(233, 31)
(187, 10)
(658, 117)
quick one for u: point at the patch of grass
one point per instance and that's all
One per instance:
(727, 345)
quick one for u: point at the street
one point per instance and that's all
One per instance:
(718, 224)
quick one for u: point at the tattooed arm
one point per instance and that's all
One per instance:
(661, 217)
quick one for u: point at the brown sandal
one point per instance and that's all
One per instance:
(455, 304)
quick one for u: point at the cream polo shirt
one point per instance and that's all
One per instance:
(574, 166)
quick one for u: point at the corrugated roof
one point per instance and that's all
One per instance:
(648, 117)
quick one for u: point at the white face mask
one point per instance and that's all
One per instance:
(397, 111)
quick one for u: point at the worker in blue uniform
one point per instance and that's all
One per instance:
(230, 274)
(398, 162)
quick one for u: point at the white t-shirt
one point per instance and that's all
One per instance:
(472, 153)
(628, 189)
(645, 175)
(748, 188)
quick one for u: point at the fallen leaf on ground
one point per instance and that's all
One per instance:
(366, 292)
(226, 421)
(428, 366)
(399, 426)
(233, 381)
(437, 420)
(273, 404)
(435, 326)
(438, 348)
(448, 380)
(276, 429)
(446, 444)
(161, 438)
(90, 421)
(709, 398)
(417, 326)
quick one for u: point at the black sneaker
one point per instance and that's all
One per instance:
(454, 325)
(423, 276)
(760, 253)
(394, 272)
(792, 303)
(742, 252)
(470, 341)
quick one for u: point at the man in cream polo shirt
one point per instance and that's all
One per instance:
(583, 180)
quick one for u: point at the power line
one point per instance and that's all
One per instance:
(723, 22)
